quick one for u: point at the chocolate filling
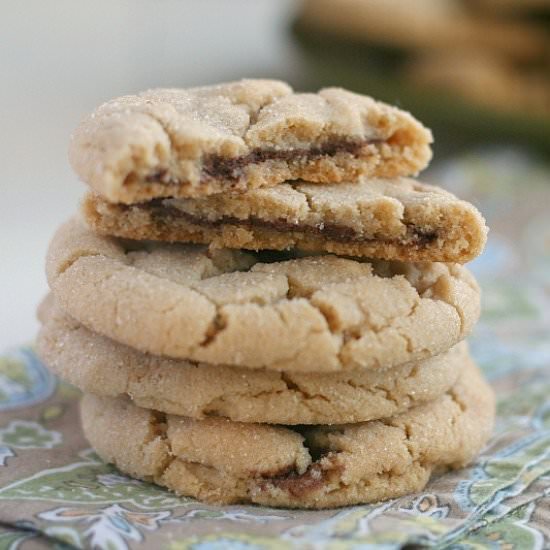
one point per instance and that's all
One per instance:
(415, 235)
(231, 168)
(298, 484)
(312, 479)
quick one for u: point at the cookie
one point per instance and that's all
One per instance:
(484, 79)
(100, 366)
(393, 220)
(225, 462)
(317, 313)
(415, 28)
(241, 135)
(511, 7)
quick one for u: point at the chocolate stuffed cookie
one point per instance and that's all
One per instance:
(221, 461)
(241, 135)
(394, 220)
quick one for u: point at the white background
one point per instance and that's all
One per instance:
(58, 60)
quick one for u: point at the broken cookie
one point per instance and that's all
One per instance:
(395, 220)
(238, 136)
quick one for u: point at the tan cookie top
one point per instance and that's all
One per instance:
(316, 313)
(100, 366)
(241, 135)
(227, 462)
(400, 219)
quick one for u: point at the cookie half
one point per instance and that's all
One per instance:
(241, 135)
(228, 462)
(319, 313)
(100, 366)
(393, 220)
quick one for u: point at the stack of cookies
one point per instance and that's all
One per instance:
(259, 305)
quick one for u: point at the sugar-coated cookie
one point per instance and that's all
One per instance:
(98, 365)
(389, 219)
(241, 135)
(317, 313)
(226, 462)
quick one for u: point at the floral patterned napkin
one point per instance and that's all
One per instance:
(55, 492)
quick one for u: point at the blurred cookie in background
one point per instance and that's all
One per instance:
(461, 64)
(424, 24)
(509, 7)
(482, 78)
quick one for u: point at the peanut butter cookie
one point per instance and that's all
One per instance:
(317, 313)
(227, 462)
(98, 365)
(392, 220)
(241, 135)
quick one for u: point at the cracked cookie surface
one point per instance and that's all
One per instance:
(98, 365)
(241, 135)
(394, 220)
(317, 313)
(221, 461)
